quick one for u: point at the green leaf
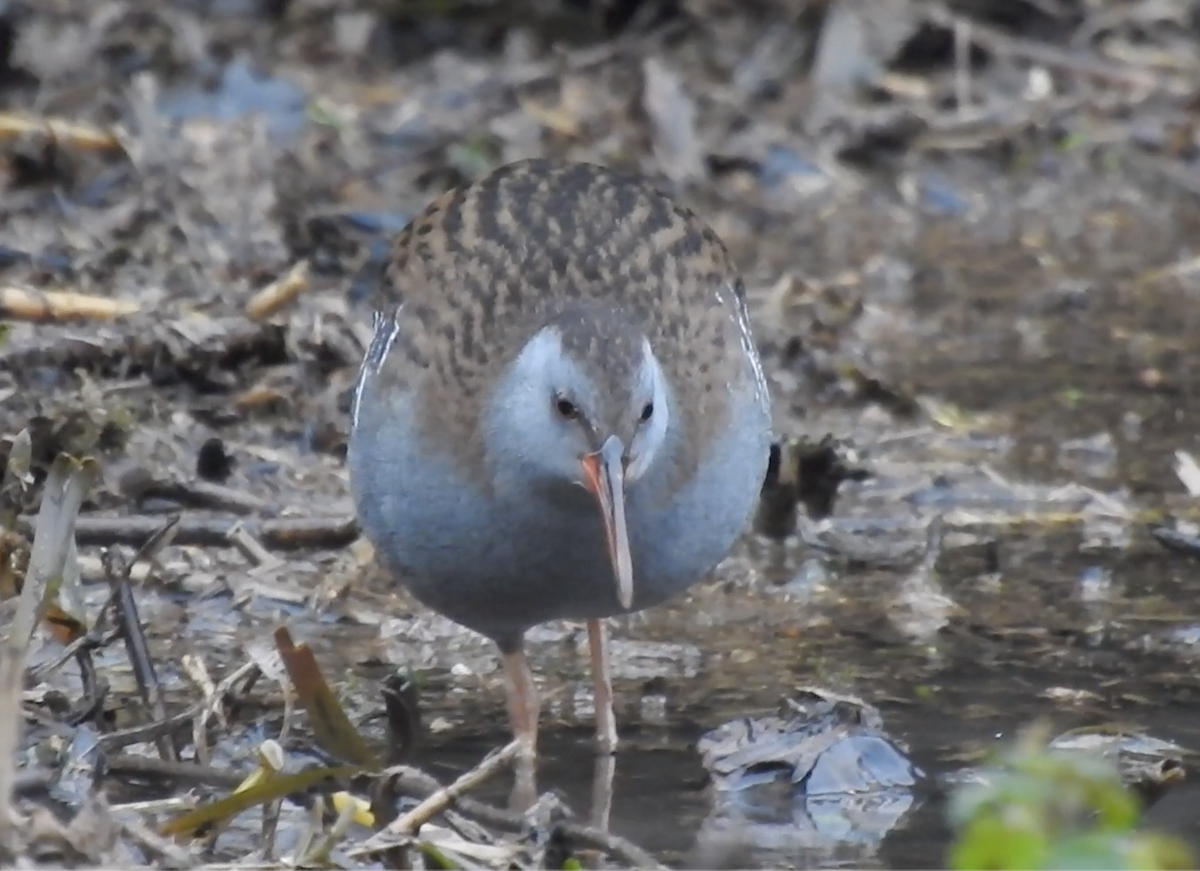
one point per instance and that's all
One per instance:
(989, 843)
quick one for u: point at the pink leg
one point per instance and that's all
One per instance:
(521, 694)
(603, 774)
(606, 720)
(522, 699)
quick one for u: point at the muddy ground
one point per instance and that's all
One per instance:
(968, 234)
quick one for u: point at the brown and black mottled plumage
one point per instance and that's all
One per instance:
(485, 266)
(550, 522)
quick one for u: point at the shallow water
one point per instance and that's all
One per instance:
(1068, 372)
(659, 801)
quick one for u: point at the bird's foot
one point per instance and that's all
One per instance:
(523, 794)
(602, 791)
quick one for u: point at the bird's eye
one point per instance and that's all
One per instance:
(566, 409)
(647, 411)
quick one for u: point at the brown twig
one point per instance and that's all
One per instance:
(405, 825)
(286, 534)
(172, 854)
(409, 780)
(201, 495)
(136, 646)
(137, 734)
(414, 780)
(1049, 56)
(629, 854)
(167, 769)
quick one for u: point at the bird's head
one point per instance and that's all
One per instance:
(586, 403)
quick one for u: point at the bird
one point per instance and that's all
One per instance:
(561, 414)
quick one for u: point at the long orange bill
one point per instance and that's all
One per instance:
(604, 473)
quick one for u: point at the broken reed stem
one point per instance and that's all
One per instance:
(83, 136)
(405, 825)
(44, 306)
(279, 293)
(491, 765)
(62, 496)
